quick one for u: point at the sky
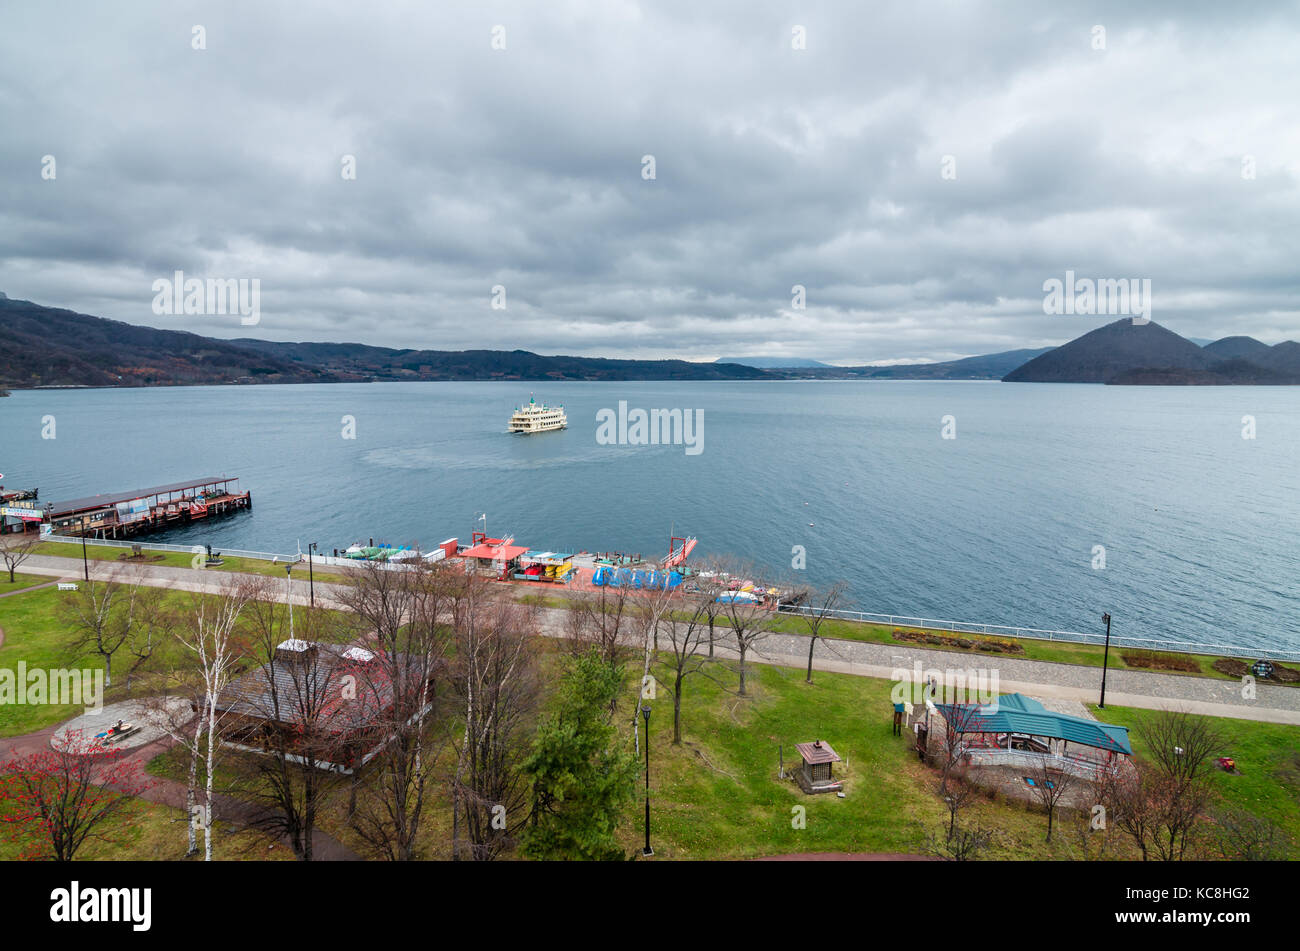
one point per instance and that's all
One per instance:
(919, 169)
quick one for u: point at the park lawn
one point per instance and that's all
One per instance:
(1267, 757)
(177, 559)
(22, 582)
(35, 635)
(717, 796)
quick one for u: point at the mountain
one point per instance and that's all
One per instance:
(48, 346)
(1125, 353)
(382, 363)
(771, 363)
(1248, 348)
(1117, 347)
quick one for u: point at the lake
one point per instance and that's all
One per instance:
(996, 525)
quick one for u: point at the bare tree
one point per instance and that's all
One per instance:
(1240, 836)
(748, 617)
(16, 547)
(111, 617)
(209, 634)
(685, 640)
(961, 845)
(602, 618)
(818, 605)
(406, 620)
(284, 713)
(1051, 787)
(494, 676)
(957, 794)
(1181, 747)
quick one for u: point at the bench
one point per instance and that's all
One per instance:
(67, 586)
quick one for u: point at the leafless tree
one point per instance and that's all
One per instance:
(750, 620)
(961, 845)
(1240, 836)
(291, 704)
(685, 637)
(957, 794)
(16, 547)
(602, 618)
(817, 606)
(1181, 748)
(209, 633)
(118, 616)
(495, 680)
(1052, 785)
(405, 618)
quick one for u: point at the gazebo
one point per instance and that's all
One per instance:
(815, 776)
(1017, 730)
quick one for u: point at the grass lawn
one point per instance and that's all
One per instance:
(21, 582)
(1267, 757)
(717, 796)
(176, 559)
(34, 634)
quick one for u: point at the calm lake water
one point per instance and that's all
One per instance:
(997, 525)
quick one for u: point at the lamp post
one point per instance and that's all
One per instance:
(288, 596)
(85, 562)
(311, 580)
(645, 712)
(1104, 658)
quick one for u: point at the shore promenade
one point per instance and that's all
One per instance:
(1125, 688)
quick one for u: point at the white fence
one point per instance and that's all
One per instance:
(159, 546)
(1039, 634)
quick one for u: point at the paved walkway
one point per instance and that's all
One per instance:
(1128, 688)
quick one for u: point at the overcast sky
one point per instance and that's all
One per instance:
(774, 166)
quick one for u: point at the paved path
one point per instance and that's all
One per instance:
(1129, 688)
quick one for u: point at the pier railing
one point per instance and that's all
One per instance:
(1040, 634)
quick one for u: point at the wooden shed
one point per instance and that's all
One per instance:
(815, 776)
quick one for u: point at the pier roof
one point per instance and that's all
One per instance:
(105, 500)
(494, 552)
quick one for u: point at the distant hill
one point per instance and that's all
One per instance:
(991, 366)
(1247, 348)
(1124, 353)
(49, 346)
(771, 363)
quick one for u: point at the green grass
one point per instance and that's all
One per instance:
(22, 582)
(176, 559)
(1267, 757)
(36, 636)
(717, 796)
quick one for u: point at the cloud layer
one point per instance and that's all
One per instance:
(522, 167)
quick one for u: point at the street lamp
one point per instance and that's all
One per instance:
(645, 712)
(85, 562)
(288, 596)
(1104, 658)
(311, 580)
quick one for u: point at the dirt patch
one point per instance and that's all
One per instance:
(1238, 668)
(1155, 660)
(969, 642)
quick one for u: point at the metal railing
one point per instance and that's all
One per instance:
(1041, 634)
(160, 546)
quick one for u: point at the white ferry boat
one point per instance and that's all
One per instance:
(537, 418)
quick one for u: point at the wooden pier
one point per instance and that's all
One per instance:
(124, 514)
